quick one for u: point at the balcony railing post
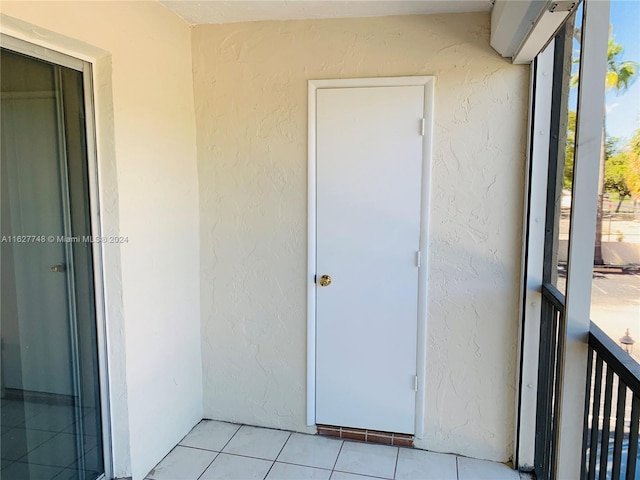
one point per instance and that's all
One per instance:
(549, 381)
(617, 441)
(606, 423)
(633, 437)
(602, 460)
(595, 415)
(587, 405)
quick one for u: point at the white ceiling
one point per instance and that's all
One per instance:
(230, 11)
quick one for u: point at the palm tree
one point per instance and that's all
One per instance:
(620, 76)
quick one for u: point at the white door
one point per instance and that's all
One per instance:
(369, 156)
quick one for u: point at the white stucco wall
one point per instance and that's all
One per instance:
(251, 91)
(147, 160)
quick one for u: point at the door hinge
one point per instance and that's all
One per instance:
(415, 383)
(423, 124)
(418, 258)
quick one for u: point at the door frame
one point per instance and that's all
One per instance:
(428, 82)
(21, 46)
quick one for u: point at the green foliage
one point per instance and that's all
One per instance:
(622, 172)
(620, 75)
(615, 168)
(634, 144)
(615, 173)
(612, 146)
(622, 163)
(622, 168)
(571, 141)
(632, 174)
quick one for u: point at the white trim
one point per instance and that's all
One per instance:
(533, 257)
(311, 258)
(98, 269)
(41, 53)
(370, 82)
(428, 82)
(590, 117)
(423, 273)
(52, 56)
(42, 42)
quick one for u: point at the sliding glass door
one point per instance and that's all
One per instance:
(51, 408)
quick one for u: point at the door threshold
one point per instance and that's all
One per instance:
(369, 436)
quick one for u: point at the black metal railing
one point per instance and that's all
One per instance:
(612, 411)
(552, 323)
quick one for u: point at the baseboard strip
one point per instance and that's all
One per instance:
(364, 435)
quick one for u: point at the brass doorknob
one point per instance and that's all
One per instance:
(61, 267)
(325, 280)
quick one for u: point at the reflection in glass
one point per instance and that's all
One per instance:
(563, 128)
(49, 373)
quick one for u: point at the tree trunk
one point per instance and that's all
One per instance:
(597, 254)
(620, 200)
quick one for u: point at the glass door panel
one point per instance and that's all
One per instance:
(50, 411)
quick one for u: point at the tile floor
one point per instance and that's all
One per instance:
(218, 450)
(39, 441)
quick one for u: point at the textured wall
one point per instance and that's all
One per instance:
(141, 53)
(251, 92)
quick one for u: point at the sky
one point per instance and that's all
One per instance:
(623, 110)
